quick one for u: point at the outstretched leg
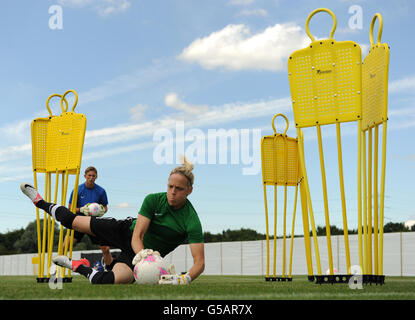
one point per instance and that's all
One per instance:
(121, 273)
(60, 213)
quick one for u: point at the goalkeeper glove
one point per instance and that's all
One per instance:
(101, 211)
(144, 253)
(175, 279)
(84, 210)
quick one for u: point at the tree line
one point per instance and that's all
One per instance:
(24, 240)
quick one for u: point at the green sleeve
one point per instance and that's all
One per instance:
(149, 206)
(194, 230)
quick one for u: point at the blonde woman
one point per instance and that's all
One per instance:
(165, 221)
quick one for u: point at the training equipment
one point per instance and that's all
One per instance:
(330, 85)
(175, 279)
(375, 70)
(94, 209)
(280, 167)
(57, 146)
(150, 269)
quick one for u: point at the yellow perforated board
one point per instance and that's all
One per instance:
(38, 132)
(57, 141)
(325, 79)
(375, 70)
(279, 156)
(325, 83)
(65, 141)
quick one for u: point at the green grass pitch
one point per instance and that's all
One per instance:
(207, 288)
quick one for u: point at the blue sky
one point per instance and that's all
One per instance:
(147, 70)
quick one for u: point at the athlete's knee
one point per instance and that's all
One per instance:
(122, 274)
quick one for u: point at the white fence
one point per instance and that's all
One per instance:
(249, 257)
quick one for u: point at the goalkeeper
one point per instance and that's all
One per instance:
(165, 221)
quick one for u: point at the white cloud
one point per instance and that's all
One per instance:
(76, 3)
(406, 85)
(15, 152)
(365, 49)
(172, 100)
(101, 140)
(402, 118)
(20, 177)
(122, 139)
(117, 150)
(124, 133)
(127, 82)
(122, 205)
(240, 2)
(216, 115)
(137, 112)
(15, 170)
(348, 30)
(236, 48)
(112, 6)
(404, 112)
(16, 130)
(254, 12)
(102, 7)
(96, 141)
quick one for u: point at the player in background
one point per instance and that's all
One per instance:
(90, 192)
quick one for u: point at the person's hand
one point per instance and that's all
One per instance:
(84, 210)
(175, 279)
(144, 253)
(101, 211)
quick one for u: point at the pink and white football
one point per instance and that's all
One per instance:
(149, 270)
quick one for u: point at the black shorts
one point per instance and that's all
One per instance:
(114, 233)
(79, 235)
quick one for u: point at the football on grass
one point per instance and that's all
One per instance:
(93, 209)
(149, 270)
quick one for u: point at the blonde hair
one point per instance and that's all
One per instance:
(185, 169)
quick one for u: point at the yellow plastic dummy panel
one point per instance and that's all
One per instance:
(325, 80)
(279, 158)
(57, 141)
(39, 131)
(375, 80)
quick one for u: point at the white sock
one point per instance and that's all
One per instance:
(53, 209)
(92, 275)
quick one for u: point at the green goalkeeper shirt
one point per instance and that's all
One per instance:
(169, 228)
